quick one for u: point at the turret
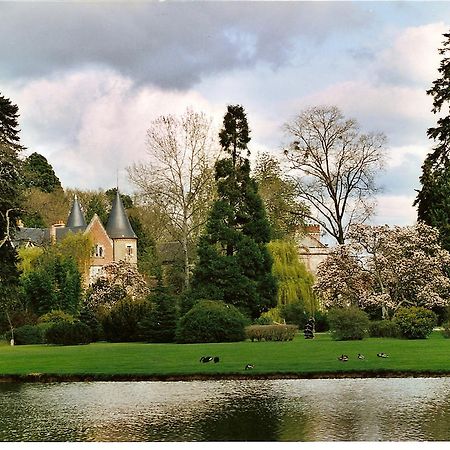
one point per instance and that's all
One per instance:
(120, 231)
(76, 217)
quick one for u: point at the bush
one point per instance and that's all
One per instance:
(211, 321)
(348, 324)
(415, 322)
(446, 330)
(295, 314)
(66, 333)
(321, 321)
(263, 320)
(121, 323)
(26, 335)
(384, 328)
(89, 318)
(56, 316)
(271, 332)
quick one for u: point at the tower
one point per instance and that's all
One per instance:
(120, 231)
(76, 217)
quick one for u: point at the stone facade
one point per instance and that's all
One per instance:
(310, 249)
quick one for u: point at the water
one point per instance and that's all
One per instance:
(411, 409)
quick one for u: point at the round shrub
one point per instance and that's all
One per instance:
(294, 314)
(55, 316)
(348, 324)
(446, 330)
(66, 333)
(121, 323)
(89, 318)
(211, 321)
(26, 335)
(415, 322)
(384, 328)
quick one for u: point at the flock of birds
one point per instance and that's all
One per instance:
(345, 358)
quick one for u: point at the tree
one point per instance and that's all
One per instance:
(121, 279)
(280, 196)
(387, 268)
(10, 200)
(433, 199)
(234, 263)
(179, 178)
(337, 166)
(38, 173)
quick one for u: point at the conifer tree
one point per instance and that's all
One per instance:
(234, 263)
(433, 199)
(39, 173)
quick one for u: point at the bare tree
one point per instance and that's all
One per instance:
(336, 167)
(179, 178)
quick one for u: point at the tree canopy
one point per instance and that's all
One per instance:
(38, 173)
(234, 263)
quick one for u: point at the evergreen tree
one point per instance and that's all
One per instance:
(433, 199)
(161, 323)
(234, 263)
(10, 198)
(38, 173)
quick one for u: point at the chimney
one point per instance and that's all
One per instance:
(313, 231)
(53, 228)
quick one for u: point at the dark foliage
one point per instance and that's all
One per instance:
(321, 321)
(121, 323)
(211, 321)
(89, 318)
(348, 324)
(234, 263)
(384, 328)
(66, 333)
(160, 325)
(295, 314)
(27, 334)
(38, 173)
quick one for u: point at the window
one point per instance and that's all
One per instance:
(129, 250)
(99, 251)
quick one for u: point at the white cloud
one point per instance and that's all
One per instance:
(395, 210)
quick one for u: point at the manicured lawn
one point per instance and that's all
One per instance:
(318, 356)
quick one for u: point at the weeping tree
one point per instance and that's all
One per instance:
(295, 282)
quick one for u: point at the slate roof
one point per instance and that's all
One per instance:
(76, 216)
(36, 236)
(118, 225)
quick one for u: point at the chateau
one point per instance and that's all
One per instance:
(115, 242)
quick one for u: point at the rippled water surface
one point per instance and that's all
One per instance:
(283, 410)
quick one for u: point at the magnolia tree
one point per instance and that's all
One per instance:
(119, 280)
(387, 268)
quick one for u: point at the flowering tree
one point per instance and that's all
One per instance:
(387, 268)
(120, 279)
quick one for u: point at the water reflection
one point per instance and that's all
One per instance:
(281, 410)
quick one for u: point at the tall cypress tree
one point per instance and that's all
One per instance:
(433, 199)
(234, 263)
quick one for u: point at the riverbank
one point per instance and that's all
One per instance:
(299, 358)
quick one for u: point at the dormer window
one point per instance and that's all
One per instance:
(99, 251)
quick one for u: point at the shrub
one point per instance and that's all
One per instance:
(56, 316)
(66, 333)
(415, 322)
(211, 321)
(121, 323)
(348, 324)
(89, 318)
(446, 330)
(321, 321)
(271, 332)
(161, 323)
(26, 335)
(295, 314)
(384, 328)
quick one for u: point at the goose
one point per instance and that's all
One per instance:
(343, 358)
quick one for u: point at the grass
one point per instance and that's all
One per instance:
(299, 357)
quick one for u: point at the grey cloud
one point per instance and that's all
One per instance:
(170, 45)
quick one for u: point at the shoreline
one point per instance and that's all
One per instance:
(65, 378)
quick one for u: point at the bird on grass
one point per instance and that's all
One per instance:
(382, 355)
(249, 366)
(343, 358)
(361, 356)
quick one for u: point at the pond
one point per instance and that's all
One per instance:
(400, 409)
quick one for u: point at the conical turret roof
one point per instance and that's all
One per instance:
(76, 216)
(118, 225)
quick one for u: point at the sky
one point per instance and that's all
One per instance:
(89, 77)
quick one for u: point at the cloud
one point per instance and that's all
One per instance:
(89, 124)
(169, 45)
(395, 209)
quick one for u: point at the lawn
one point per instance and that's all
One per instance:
(299, 357)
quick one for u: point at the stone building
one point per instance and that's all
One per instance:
(310, 248)
(115, 242)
